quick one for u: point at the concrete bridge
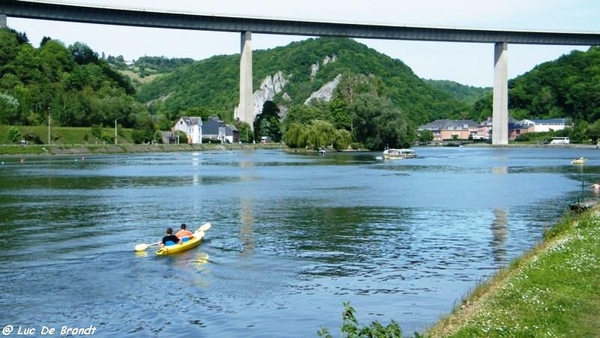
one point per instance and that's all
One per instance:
(246, 25)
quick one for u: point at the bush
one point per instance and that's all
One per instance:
(351, 329)
(14, 135)
(33, 138)
(355, 146)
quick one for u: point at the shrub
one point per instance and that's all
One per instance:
(351, 328)
(14, 135)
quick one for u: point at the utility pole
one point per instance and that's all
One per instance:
(49, 119)
(117, 119)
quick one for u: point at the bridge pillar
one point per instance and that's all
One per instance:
(245, 111)
(2, 20)
(500, 100)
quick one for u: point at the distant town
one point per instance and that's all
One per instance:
(471, 130)
(442, 130)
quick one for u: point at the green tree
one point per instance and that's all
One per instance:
(96, 131)
(302, 114)
(246, 135)
(14, 135)
(425, 136)
(55, 59)
(377, 124)
(9, 109)
(342, 140)
(321, 134)
(144, 130)
(82, 54)
(294, 136)
(578, 134)
(267, 123)
(201, 112)
(592, 131)
(340, 113)
(9, 49)
(483, 108)
(394, 131)
(26, 65)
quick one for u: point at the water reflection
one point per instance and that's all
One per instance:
(500, 235)
(247, 221)
(196, 164)
(246, 215)
(500, 170)
(200, 259)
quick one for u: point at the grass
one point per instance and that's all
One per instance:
(65, 135)
(553, 291)
(137, 78)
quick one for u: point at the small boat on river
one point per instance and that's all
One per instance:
(394, 154)
(182, 246)
(186, 243)
(580, 160)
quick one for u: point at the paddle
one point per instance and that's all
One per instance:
(200, 232)
(143, 247)
(201, 229)
(204, 227)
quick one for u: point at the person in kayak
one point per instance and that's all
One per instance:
(170, 239)
(184, 234)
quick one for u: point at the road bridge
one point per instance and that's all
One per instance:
(247, 25)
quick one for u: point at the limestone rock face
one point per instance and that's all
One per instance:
(271, 86)
(324, 93)
(275, 84)
(314, 68)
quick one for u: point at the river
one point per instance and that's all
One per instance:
(293, 236)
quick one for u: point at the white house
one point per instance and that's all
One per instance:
(192, 127)
(546, 125)
(216, 129)
(450, 129)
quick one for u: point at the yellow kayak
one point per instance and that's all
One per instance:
(182, 246)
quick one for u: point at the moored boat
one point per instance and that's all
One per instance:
(390, 154)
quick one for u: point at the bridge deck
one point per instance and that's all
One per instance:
(190, 21)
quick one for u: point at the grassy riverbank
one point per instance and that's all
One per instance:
(91, 149)
(552, 291)
(79, 141)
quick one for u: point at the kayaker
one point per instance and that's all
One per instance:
(170, 239)
(184, 232)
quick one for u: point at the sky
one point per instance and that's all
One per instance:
(466, 63)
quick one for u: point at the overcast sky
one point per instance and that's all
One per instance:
(466, 63)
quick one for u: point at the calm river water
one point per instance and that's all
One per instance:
(293, 236)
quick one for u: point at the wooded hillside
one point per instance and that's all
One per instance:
(72, 84)
(378, 100)
(213, 83)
